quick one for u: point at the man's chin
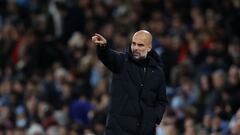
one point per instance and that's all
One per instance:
(136, 57)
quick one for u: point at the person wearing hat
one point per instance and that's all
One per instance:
(138, 89)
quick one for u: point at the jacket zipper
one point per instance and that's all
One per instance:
(144, 70)
(140, 94)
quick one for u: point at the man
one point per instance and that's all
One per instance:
(138, 93)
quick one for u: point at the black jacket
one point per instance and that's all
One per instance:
(138, 93)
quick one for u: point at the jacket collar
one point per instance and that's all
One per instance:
(154, 58)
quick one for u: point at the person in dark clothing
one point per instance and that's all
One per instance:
(138, 89)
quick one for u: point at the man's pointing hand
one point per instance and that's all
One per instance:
(99, 40)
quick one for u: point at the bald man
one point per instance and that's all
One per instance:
(138, 93)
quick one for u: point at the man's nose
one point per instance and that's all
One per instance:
(135, 48)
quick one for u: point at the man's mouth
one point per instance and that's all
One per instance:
(136, 54)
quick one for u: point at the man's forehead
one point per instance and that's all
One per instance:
(139, 39)
(142, 36)
(143, 33)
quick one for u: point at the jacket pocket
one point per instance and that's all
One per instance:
(148, 120)
(149, 98)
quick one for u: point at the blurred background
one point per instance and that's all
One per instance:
(51, 82)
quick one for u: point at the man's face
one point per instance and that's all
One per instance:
(140, 46)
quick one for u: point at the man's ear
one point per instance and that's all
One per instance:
(149, 48)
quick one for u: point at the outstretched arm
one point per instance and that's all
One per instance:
(111, 59)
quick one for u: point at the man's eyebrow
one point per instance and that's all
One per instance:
(141, 44)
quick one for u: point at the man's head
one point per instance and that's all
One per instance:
(141, 44)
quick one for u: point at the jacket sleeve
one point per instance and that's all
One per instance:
(113, 60)
(161, 100)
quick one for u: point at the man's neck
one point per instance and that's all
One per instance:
(142, 61)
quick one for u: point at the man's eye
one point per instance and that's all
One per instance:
(140, 45)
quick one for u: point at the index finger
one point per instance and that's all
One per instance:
(99, 36)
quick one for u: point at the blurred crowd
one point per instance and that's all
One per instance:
(51, 82)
